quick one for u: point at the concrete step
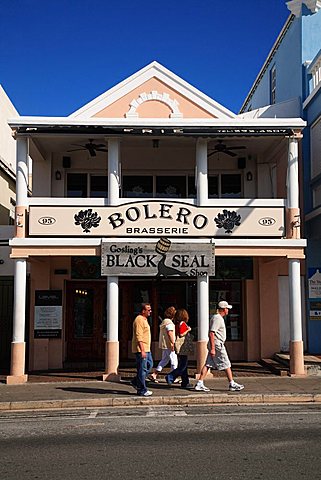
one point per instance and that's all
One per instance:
(312, 363)
(275, 367)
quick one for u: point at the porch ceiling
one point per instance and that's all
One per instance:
(64, 142)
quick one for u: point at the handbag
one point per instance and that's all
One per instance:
(184, 345)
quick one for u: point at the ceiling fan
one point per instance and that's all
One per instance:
(91, 147)
(220, 147)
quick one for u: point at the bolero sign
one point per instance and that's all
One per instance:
(155, 218)
(159, 259)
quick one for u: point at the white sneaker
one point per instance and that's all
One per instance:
(235, 387)
(148, 393)
(200, 387)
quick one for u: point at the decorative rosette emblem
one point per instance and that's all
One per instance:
(87, 219)
(228, 220)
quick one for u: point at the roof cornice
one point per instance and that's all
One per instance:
(169, 78)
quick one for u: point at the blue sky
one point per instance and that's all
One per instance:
(56, 56)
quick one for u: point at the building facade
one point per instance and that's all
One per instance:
(7, 215)
(153, 192)
(289, 84)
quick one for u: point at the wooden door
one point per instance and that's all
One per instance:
(85, 320)
(6, 315)
(159, 294)
(131, 295)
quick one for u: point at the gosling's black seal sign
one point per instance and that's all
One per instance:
(161, 259)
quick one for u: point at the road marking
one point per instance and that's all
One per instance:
(152, 412)
(165, 412)
(93, 414)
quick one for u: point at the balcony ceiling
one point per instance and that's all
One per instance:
(255, 145)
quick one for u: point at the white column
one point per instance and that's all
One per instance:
(203, 308)
(295, 301)
(18, 346)
(113, 170)
(296, 342)
(202, 282)
(22, 172)
(19, 301)
(293, 174)
(201, 171)
(22, 176)
(112, 309)
(112, 343)
(293, 210)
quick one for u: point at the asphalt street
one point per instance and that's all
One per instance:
(226, 442)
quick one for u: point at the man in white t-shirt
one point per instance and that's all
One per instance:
(217, 357)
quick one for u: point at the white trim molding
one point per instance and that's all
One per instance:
(159, 97)
(158, 71)
(295, 6)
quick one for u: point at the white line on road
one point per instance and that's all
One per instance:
(154, 413)
(93, 414)
(165, 412)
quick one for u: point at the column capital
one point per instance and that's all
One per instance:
(296, 135)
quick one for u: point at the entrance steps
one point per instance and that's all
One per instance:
(312, 363)
(275, 366)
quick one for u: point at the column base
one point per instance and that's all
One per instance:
(16, 379)
(297, 359)
(201, 354)
(17, 366)
(111, 377)
(111, 362)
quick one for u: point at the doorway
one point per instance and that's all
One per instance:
(85, 321)
(160, 294)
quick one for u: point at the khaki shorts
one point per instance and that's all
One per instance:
(221, 360)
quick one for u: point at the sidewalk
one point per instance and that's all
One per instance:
(93, 393)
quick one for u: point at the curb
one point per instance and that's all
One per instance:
(199, 399)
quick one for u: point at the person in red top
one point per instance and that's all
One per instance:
(182, 329)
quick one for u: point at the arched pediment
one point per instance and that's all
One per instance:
(154, 96)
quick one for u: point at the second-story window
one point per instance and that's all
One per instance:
(84, 185)
(98, 186)
(171, 186)
(273, 85)
(231, 185)
(77, 185)
(140, 186)
(225, 185)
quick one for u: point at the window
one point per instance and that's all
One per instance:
(137, 186)
(171, 186)
(166, 186)
(77, 185)
(225, 185)
(213, 186)
(317, 196)
(231, 185)
(230, 290)
(273, 85)
(316, 149)
(98, 186)
(191, 187)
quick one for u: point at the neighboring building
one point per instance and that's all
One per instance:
(7, 215)
(290, 80)
(132, 194)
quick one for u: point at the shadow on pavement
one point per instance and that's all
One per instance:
(98, 391)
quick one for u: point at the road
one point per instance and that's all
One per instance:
(223, 442)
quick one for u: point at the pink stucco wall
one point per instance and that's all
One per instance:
(153, 108)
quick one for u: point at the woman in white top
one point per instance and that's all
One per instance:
(166, 343)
